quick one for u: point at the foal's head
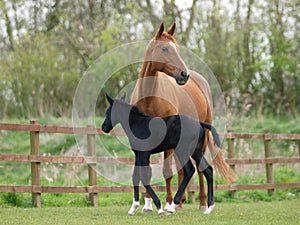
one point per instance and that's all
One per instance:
(163, 53)
(110, 120)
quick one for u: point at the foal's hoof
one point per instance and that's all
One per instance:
(161, 213)
(133, 208)
(209, 210)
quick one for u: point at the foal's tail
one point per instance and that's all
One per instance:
(218, 161)
(213, 131)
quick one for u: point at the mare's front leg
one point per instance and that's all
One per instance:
(135, 180)
(168, 175)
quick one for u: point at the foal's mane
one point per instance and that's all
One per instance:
(133, 108)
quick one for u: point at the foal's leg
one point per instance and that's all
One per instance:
(207, 170)
(145, 177)
(208, 173)
(188, 170)
(135, 181)
(180, 178)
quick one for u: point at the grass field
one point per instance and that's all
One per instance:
(276, 212)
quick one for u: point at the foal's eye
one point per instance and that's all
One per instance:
(165, 49)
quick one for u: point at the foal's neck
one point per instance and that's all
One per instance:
(128, 115)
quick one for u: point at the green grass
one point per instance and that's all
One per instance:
(279, 212)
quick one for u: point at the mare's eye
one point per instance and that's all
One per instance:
(165, 49)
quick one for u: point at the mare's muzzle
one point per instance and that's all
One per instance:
(182, 77)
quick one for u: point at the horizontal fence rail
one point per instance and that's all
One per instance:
(91, 159)
(35, 159)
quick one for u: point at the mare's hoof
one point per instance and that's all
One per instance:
(147, 210)
(148, 206)
(209, 210)
(167, 207)
(171, 208)
(203, 207)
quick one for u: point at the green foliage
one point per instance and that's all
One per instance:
(15, 199)
(252, 48)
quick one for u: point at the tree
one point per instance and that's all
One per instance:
(251, 46)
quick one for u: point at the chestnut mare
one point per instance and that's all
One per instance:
(166, 87)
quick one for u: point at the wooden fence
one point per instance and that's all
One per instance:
(34, 128)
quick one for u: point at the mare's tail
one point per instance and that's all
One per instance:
(213, 131)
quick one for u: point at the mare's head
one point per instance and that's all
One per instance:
(163, 53)
(110, 120)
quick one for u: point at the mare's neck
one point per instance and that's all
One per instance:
(148, 83)
(147, 70)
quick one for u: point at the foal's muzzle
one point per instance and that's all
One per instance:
(105, 127)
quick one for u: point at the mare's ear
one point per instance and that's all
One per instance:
(160, 30)
(123, 97)
(109, 99)
(171, 30)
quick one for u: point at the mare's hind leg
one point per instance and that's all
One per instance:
(202, 191)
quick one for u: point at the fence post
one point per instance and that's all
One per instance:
(231, 154)
(91, 144)
(35, 166)
(268, 154)
(299, 150)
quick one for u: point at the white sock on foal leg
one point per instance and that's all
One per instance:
(133, 208)
(209, 209)
(148, 205)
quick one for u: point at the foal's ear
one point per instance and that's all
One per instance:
(171, 30)
(109, 99)
(160, 30)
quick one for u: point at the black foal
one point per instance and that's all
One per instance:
(150, 135)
